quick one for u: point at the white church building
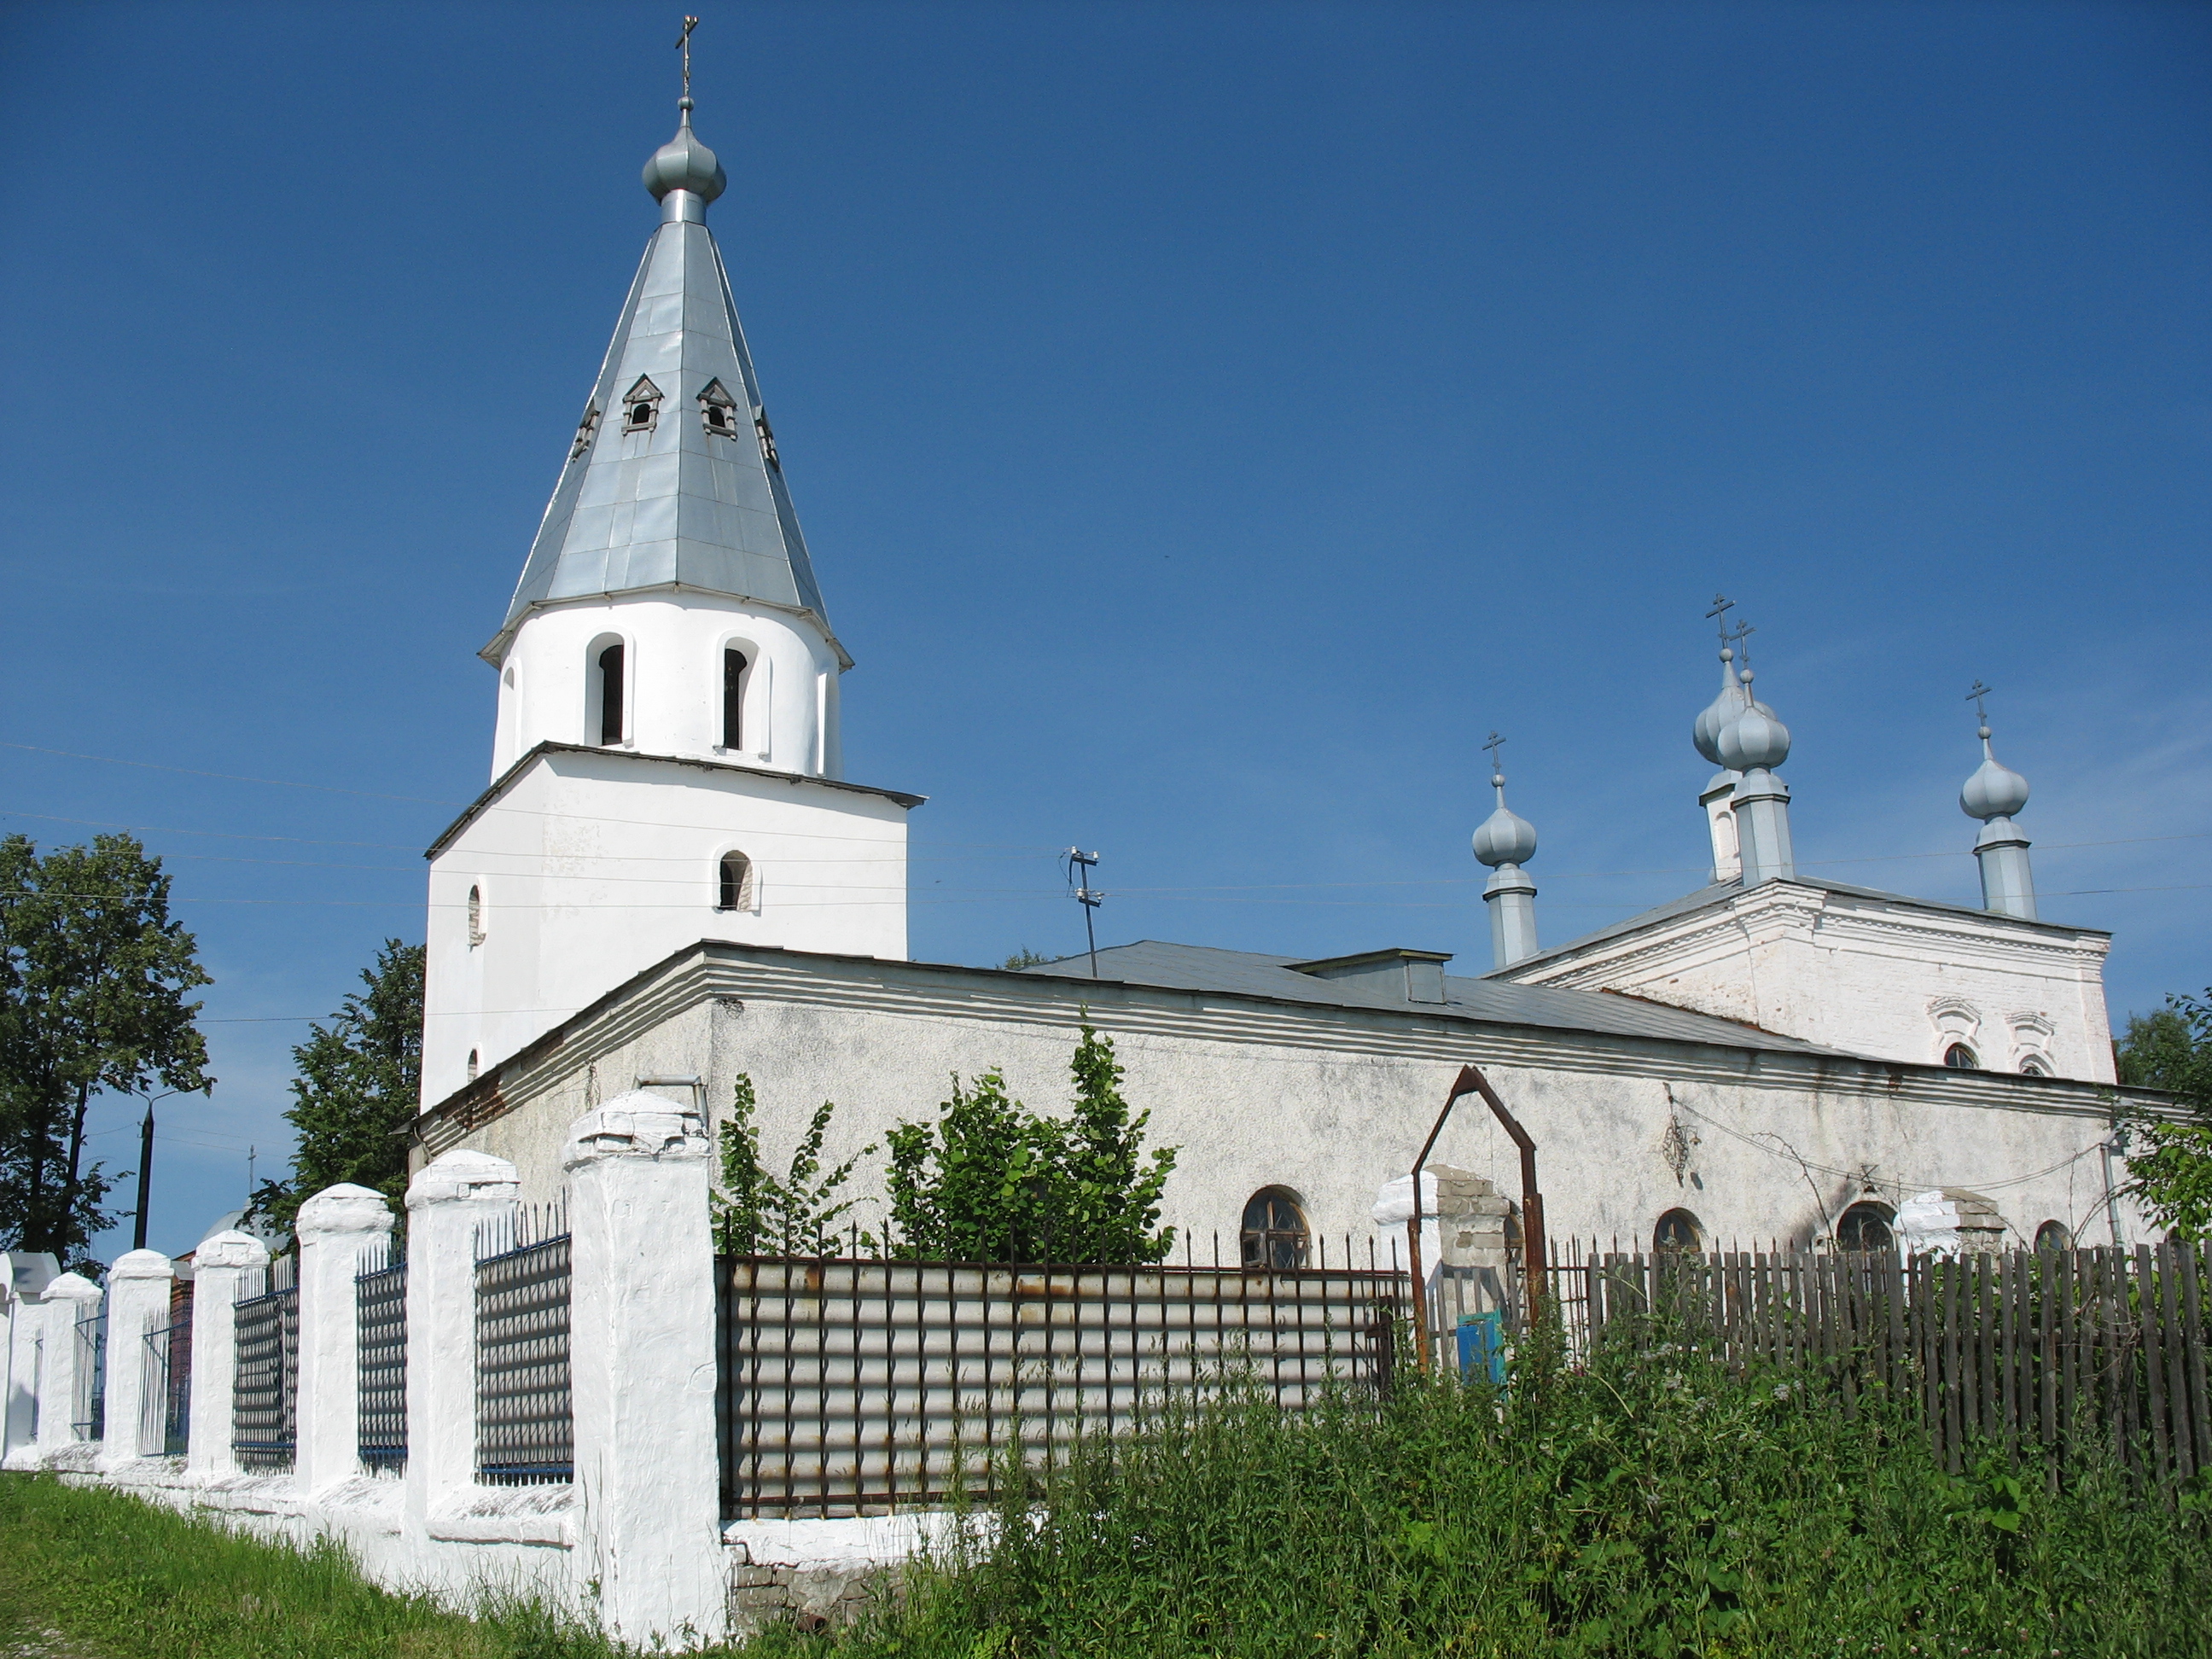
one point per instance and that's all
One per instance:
(669, 882)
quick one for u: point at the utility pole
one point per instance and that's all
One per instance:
(1086, 896)
(145, 1177)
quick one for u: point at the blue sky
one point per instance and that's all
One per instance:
(1209, 422)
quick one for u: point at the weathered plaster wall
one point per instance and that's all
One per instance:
(1329, 1103)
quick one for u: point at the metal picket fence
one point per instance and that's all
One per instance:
(89, 1410)
(380, 1300)
(851, 1385)
(165, 1396)
(266, 1403)
(524, 1432)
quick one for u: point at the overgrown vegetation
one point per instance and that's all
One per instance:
(992, 1181)
(356, 1082)
(2171, 1171)
(119, 1579)
(1650, 1504)
(758, 1213)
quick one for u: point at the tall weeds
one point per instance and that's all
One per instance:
(1649, 1504)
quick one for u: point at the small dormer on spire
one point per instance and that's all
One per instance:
(1993, 794)
(1505, 842)
(1753, 743)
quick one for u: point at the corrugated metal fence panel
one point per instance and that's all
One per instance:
(265, 1405)
(524, 1431)
(381, 1320)
(848, 1386)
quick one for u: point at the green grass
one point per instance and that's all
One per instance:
(1649, 1504)
(122, 1579)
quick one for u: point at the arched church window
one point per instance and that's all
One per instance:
(1274, 1233)
(733, 883)
(718, 411)
(473, 1066)
(2032, 1066)
(1959, 1058)
(1865, 1228)
(2054, 1235)
(734, 699)
(476, 917)
(611, 694)
(1679, 1233)
(640, 406)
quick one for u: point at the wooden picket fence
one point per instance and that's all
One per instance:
(2052, 1349)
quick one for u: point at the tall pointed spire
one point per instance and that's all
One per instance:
(673, 482)
(1993, 794)
(1506, 841)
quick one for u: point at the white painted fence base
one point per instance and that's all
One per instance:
(634, 1544)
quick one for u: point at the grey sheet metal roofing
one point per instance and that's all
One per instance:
(1244, 973)
(677, 505)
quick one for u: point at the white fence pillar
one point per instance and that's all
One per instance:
(218, 1266)
(641, 1369)
(449, 1199)
(29, 1273)
(334, 1228)
(138, 1286)
(69, 1299)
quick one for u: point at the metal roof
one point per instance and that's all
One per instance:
(1245, 973)
(679, 505)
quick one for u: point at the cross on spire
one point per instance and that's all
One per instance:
(1975, 696)
(1722, 605)
(684, 46)
(1492, 748)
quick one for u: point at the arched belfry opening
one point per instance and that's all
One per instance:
(608, 664)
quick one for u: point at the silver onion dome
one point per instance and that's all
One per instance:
(1505, 837)
(1995, 791)
(1706, 733)
(684, 163)
(1754, 740)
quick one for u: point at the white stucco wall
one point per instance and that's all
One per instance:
(1328, 1102)
(672, 663)
(1888, 978)
(593, 866)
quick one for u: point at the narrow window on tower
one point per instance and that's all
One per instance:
(476, 917)
(640, 406)
(611, 694)
(733, 883)
(718, 411)
(734, 699)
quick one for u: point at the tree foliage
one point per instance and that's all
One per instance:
(357, 1084)
(757, 1214)
(92, 978)
(2172, 1049)
(992, 1181)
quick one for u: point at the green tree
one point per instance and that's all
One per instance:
(2171, 1175)
(992, 1181)
(93, 977)
(356, 1084)
(756, 1213)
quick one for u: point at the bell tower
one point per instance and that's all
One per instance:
(666, 761)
